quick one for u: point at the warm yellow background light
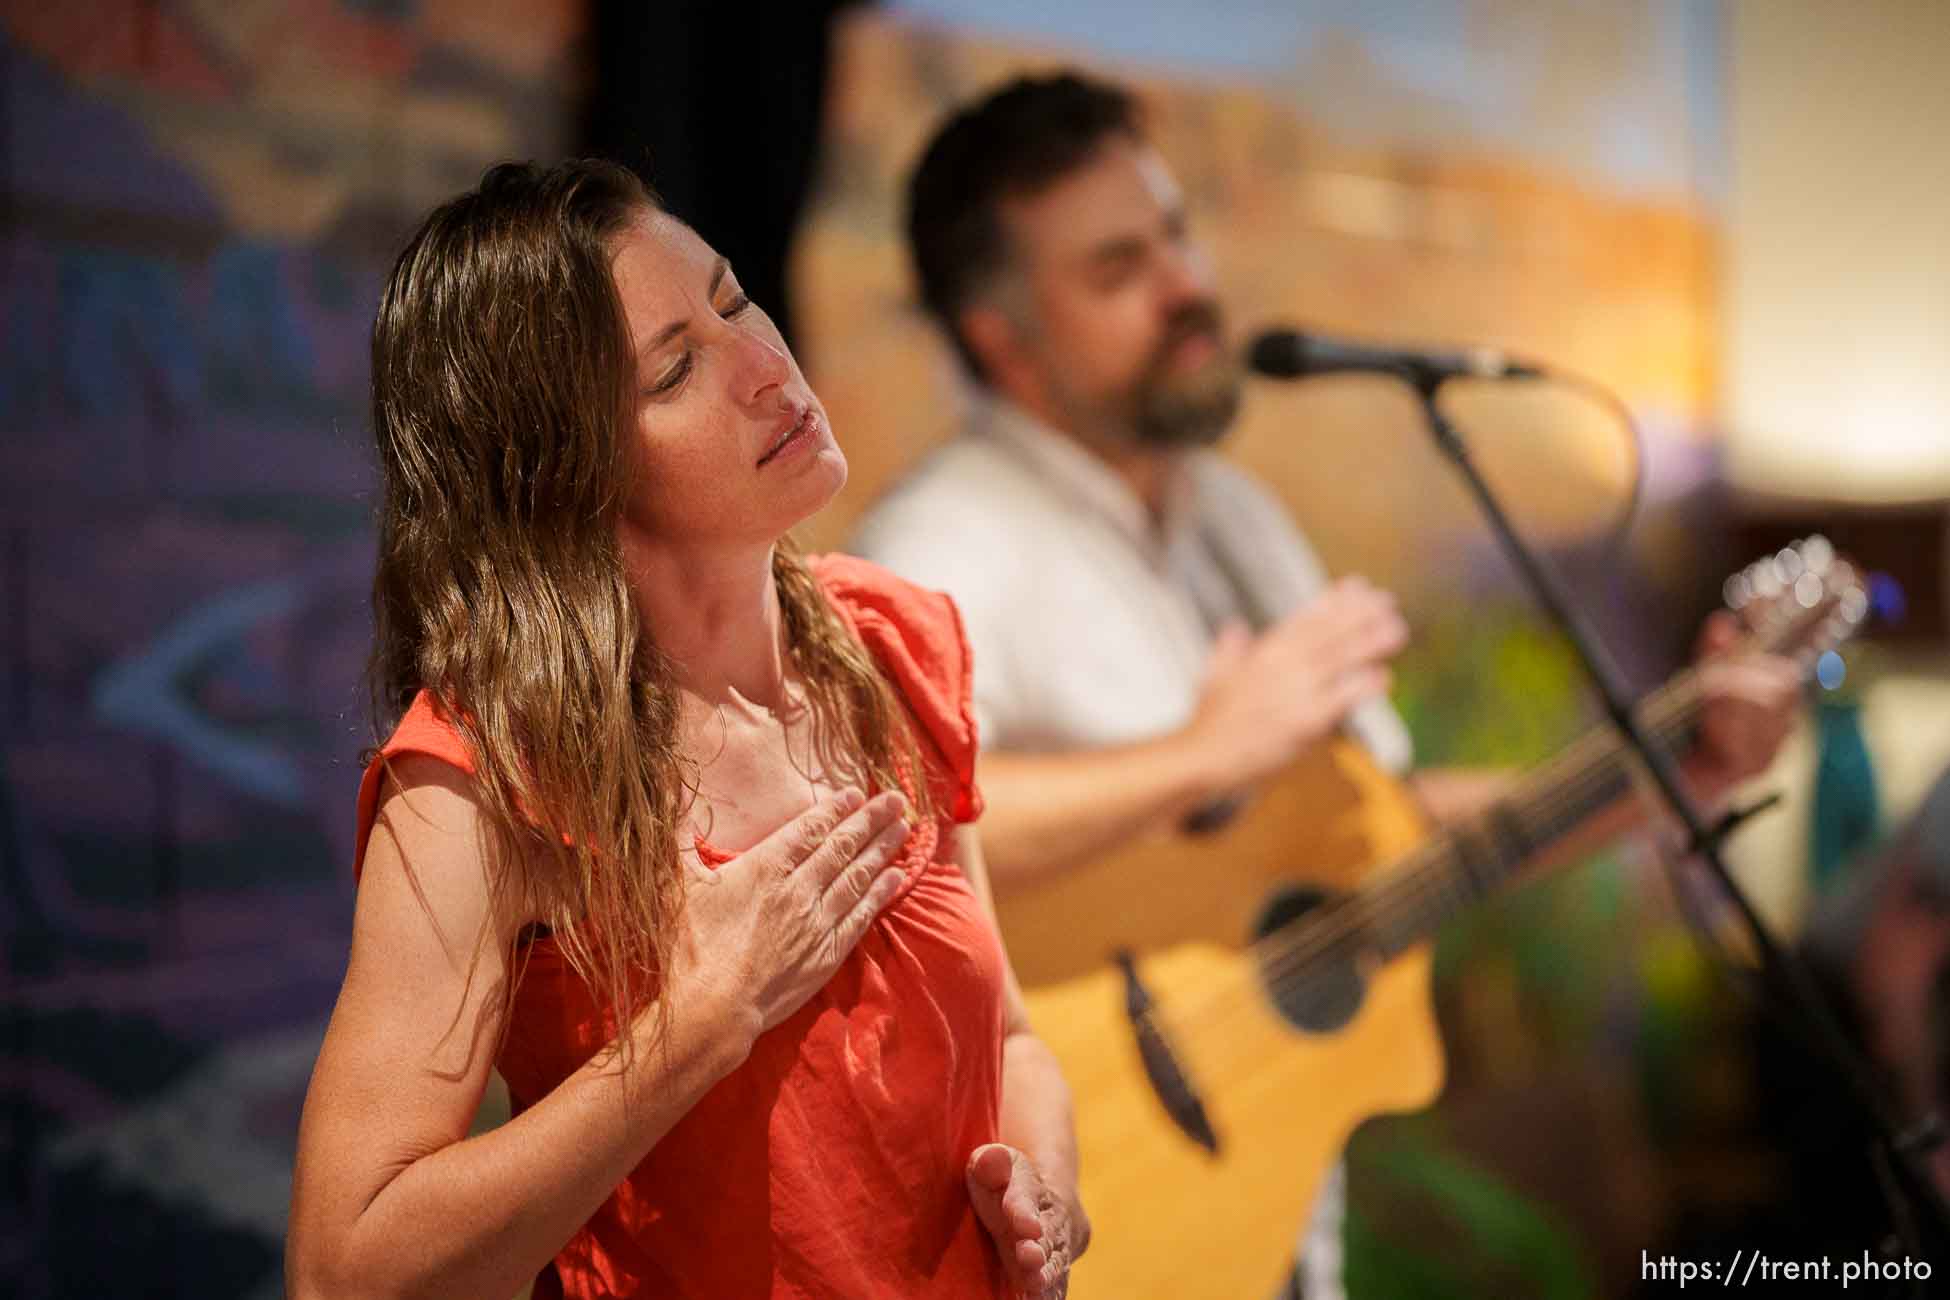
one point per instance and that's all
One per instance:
(1837, 306)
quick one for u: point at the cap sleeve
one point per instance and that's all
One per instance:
(917, 637)
(424, 729)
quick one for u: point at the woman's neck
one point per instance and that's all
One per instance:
(715, 615)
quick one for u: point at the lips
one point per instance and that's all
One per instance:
(1200, 344)
(1195, 322)
(798, 427)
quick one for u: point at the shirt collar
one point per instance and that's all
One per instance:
(1080, 473)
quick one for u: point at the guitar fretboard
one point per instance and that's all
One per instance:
(1408, 901)
(1462, 865)
(1458, 867)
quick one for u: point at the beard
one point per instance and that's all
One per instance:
(1168, 409)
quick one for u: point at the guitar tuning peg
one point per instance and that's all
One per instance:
(1788, 565)
(1766, 580)
(1808, 590)
(1854, 604)
(1738, 591)
(1817, 553)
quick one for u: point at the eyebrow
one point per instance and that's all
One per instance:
(719, 270)
(1119, 248)
(1130, 247)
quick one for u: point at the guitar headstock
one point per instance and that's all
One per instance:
(1800, 602)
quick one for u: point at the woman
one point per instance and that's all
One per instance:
(675, 825)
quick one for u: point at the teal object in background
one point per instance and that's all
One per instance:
(1847, 810)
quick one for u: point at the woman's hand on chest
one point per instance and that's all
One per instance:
(765, 931)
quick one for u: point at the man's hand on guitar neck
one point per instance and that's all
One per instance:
(1751, 703)
(1267, 698)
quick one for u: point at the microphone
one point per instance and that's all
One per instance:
(1289, 354)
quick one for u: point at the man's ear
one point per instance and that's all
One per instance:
(996, 341)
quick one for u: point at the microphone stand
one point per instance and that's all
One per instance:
(1897, 1148)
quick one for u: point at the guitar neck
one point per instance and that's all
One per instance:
(1462, 865)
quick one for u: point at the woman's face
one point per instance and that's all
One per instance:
(730, 443)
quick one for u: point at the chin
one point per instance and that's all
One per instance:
(823, 478)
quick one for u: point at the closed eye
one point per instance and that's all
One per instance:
(673, 377)
(1117, 264)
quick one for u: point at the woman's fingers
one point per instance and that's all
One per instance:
(828, 836)
(1003, 1186)
(990, 1166)
(848, 929)
(778, 919)
(989, 1169)
(789, 847)
(1019, 1206)
(854, 835)
(851, 889)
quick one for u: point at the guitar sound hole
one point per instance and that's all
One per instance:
(1308, 972)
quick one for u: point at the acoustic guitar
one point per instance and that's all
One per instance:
(1229, 1006)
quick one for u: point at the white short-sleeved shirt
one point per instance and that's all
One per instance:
(1090, 622)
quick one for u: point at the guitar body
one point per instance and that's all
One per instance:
(1169, 1219)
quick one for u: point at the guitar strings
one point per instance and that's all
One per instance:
(1297, 983)
(1441, 876)
(1396, 896)
(1238, 991)
(1284, 960)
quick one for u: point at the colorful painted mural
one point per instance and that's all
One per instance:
(201, 200)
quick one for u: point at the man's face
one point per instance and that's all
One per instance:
(1123, 331)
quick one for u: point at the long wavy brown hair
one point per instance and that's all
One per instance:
(503, 382)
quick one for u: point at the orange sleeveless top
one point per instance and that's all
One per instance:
(830, 1164)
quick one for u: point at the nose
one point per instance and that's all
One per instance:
(759, 365)
(1187, 273)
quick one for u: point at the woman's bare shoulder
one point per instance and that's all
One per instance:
(432, 844)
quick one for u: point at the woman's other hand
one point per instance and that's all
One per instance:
(766, 930)
(1037, 1234)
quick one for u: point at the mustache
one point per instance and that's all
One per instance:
(1200, 318)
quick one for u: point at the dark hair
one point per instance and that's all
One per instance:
(1017, 140)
